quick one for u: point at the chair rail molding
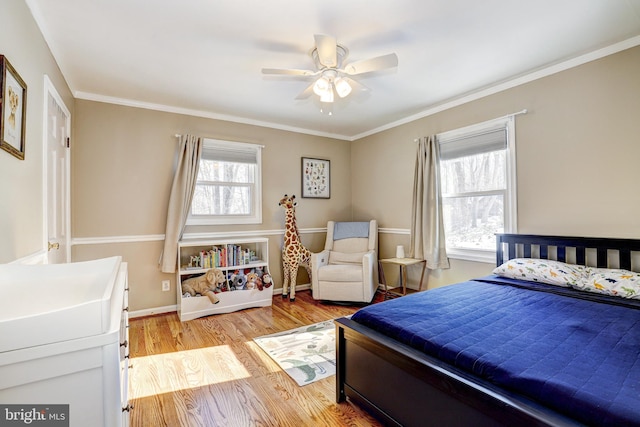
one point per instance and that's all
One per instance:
(104, 240)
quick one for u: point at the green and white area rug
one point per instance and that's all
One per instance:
(307, 354)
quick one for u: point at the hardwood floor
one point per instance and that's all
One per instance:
(209, 372)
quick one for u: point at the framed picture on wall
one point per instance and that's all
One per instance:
(14, 107)
(316, 178)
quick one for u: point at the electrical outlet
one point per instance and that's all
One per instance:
(166, 285)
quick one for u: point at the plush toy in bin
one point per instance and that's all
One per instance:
(254, 281)
(267, 280)
(205, 285)
(259, 279)
(238, 280)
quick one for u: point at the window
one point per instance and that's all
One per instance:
(477, 169)
(228, 187)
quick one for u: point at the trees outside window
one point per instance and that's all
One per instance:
(473, 189)
(477, 169)
(228, 185)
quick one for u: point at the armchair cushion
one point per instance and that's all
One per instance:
(340, 273)
(354, 244)
(346, 258)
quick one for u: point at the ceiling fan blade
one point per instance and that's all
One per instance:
(327, 50)
(373, 64)
(356, 86)
(306, 93)
(288, 72)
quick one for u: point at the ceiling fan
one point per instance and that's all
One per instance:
(332, 76)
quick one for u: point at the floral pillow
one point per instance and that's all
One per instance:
(544, 271)
(614, 282)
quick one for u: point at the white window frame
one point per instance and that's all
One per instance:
(256, 203)
(510, 196)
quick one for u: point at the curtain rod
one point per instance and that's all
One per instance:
(517, 113)
(177, 135)
(513, 114)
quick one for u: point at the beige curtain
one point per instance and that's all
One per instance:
(427, 229)
(184, 183)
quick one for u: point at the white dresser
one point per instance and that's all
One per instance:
(64, 339)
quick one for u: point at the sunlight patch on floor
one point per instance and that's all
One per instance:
(170, 372)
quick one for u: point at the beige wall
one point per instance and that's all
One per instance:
(22, 211)
(577, 157)
(578, 150)
(123, 160)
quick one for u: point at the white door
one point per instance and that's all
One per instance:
(58, 121)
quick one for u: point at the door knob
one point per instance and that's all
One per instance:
(54, 246)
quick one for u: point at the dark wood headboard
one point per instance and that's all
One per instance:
(608, 251)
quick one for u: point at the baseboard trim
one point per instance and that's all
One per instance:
(303, 287)
(174, 308)
(152, 311)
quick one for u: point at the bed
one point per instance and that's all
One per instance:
(550, 350)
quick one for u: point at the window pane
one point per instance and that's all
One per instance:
(480, 172)
(215, 170)
(471, 222)
(221, 200)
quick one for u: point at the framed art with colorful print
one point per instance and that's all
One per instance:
(316, 178)
(13, 111)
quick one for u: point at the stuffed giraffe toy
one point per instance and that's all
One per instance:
(294, 254)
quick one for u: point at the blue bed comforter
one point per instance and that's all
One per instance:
(577, 354)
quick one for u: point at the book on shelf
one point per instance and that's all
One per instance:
(222, 256)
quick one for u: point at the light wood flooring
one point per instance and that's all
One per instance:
(209, 372)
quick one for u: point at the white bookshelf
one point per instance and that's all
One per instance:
(254, 255)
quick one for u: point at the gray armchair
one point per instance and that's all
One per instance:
(347, 268)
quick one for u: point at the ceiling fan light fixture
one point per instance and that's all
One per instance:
(343, 88)
(326, 108)
(327, 96)
(332, 76)
(322, 86)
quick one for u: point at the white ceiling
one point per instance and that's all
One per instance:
(204, 57)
